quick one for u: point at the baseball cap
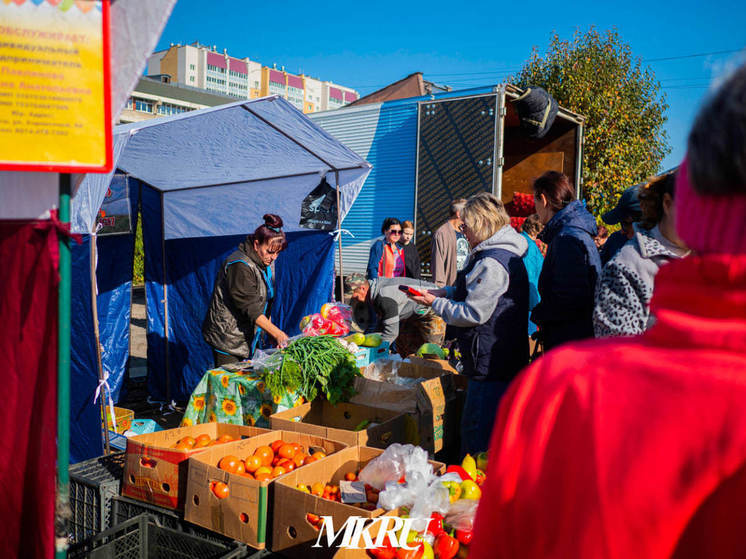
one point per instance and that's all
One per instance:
(353, 281)
(628, 205)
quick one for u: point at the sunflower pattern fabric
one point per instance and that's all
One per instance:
(239, 398)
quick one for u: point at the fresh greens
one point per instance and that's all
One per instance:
(311, 365)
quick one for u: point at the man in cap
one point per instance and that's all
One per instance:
(626, 212)
(402, 321)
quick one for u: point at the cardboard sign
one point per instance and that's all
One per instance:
(55, 106)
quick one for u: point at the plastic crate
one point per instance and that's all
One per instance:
(124, 508)
(142, 538)
(93, 483)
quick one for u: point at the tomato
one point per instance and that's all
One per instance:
(299, 458)
(262, 471)
(317, 489)
(319, 454)
(310, 459)
(286, 451)
(350, 476)
(224, 439)
(253, 463)
(202, 441)
(289, 465)
(278, 471)
(183, 446)
(241, 467)
(264, 476)
(265, 454)
(277, 444)
(229, 463)
(188, 440)
(219, 489)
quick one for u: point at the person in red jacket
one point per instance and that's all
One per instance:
(636, 447)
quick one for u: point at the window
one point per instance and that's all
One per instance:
(217, 69)
(256, 85)
(238, 75)
(191, 66)
(129, 103)
(143, 105)
(167, 109)
(191, 79)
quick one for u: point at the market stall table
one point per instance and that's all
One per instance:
(239, 397)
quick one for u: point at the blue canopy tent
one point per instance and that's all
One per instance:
(202, 181)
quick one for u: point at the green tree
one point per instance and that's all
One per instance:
(597, 76)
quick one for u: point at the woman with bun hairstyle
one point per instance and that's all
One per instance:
(242, 298)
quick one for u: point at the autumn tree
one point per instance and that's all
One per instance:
(597, 76)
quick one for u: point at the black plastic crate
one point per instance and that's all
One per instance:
(143, 538)
(93, 483)
(124, 508)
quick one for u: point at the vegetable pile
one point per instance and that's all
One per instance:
(313, 364)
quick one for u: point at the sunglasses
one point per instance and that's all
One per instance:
(395, 231)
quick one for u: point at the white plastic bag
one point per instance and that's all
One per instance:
(461, 514)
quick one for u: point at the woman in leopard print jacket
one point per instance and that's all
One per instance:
(623, 293)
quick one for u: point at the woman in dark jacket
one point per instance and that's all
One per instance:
(411, 256)
(572, 265)
(242, 299)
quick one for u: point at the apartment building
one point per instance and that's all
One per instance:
(204, 67)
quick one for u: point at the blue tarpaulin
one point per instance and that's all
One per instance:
(204, 179)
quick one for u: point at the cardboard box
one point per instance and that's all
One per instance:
(245, 513)
(292, 534)
(156, 473)
(338, 422)
(425, 401)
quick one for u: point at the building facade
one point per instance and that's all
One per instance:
(153, 98)
(203, 67)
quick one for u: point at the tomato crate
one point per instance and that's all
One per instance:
(143, 537)
(93, 483)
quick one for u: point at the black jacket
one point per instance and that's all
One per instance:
(239, 297)
(568, 277)
(411, 260)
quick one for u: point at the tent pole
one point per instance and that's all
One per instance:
(339, 238)
(63, 361)
(97, 336)
(165, 297)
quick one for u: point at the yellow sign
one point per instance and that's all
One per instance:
(55, 110)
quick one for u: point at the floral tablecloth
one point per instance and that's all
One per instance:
(235, 397)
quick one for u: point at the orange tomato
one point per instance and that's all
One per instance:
(278, 471)
(317, 489)
(310, 459)
(253, 463)
(203, 438)
(183, 446)
(287, 451)
(319, 454)
(276, 460)
(224, 439)
(289, 465)
(298, 447)
(188, 440)
(351, 476)
(263, 470)
(277, 444)
(264, 476)
(229, 463)
(241, 467)
(265, 454)
(298, 459)
(246, 474)
(219, 489)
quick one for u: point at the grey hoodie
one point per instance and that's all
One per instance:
(392, 305)
(485, 284)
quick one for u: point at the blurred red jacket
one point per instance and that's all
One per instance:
(630, 447)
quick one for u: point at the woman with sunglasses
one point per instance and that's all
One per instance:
(242, 298)
(386, 257)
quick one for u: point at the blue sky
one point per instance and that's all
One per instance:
(468, 43)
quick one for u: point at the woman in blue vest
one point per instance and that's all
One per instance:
(572, 265)
(242, 298)
(487, 310)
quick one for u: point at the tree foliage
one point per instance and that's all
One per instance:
(597, 76)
